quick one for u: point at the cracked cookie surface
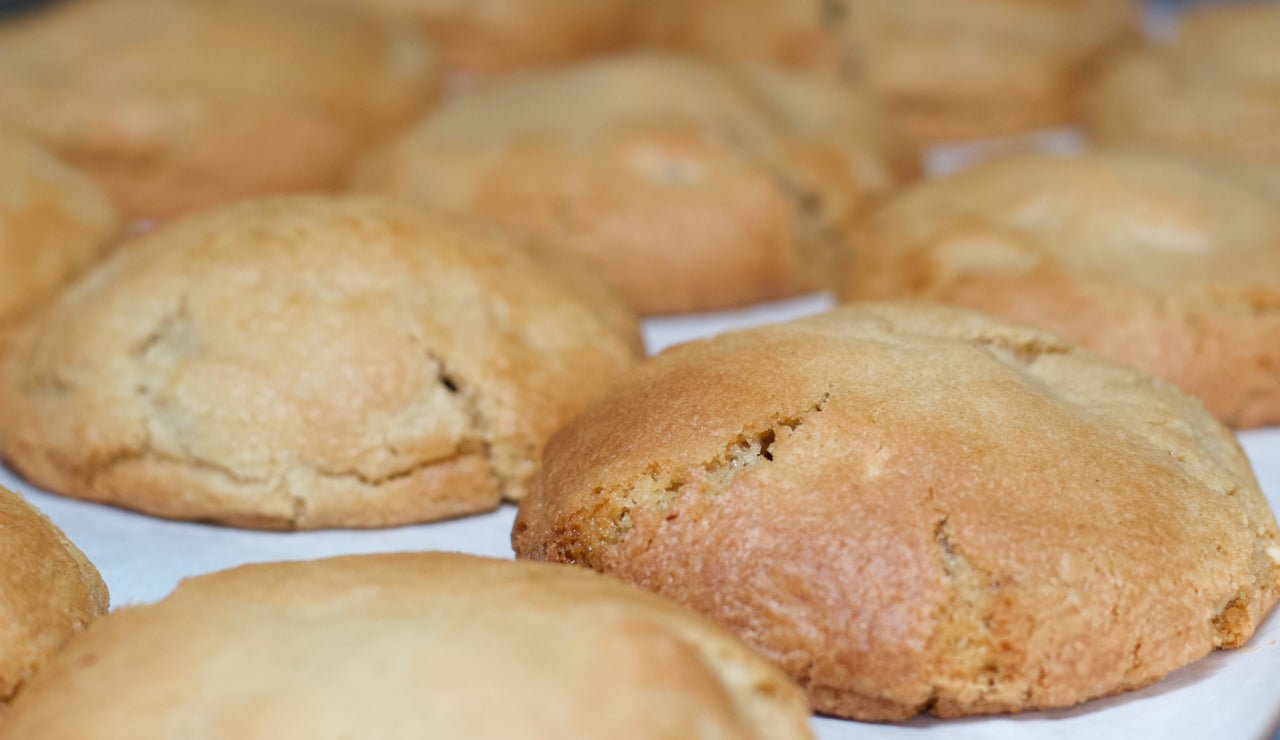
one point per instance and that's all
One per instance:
(1159, 261)
(48, 592)
(310, 362)
(409, 646)
(916, 508)
(695, 186)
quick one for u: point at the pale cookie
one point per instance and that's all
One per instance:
(1213, 91)
(919, 509)
(487, 37)
(408, 646)
(694, 186)
(174, 105)
(949, 70)
(53, 223)
(1165, 263)
(48, 592)
(309, 362)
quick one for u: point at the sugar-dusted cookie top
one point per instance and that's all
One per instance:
(409, 646)
(1159, 261)
(916, 508)
(309, 362)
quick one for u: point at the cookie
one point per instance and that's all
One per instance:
(175, 105)
(408, 646)
(497, 36)
(48, 592)
(949, 70)
(919, 509)
(693, 186)
(1212, 91)
(1162, 262)
(53, 223)
(304, 362)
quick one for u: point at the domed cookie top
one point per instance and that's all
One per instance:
(48, 592)
(497, 36)
(1214, 91)
(173, 105)
(1158, 261)
(949, 70)
(919, 509)
(409, 646)
(309, 362)
(695, 186)
(53, 223)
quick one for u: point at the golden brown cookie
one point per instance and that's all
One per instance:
(1214, 90)
(53, 223)
(408, 646)
(949, 70)
(1158, 261)
(916, 508)
(309, 362)
(694, 186)
(493, 36)
(48, 592)
(174, 105)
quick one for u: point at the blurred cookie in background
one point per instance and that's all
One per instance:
(488, 37)
(174, 105)
(949, 70)
(1159, 261)
(54, 222)
(49, 591)
(307, 362)
(694, 185)
(1213, 90)
(919, 509)
(409, 646)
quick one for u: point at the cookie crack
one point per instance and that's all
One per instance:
(147, 451)
(359, 476)
(657, 489)
(1024, 351)
(1233, 624)
(479, 436)
(966, 669)
(166, 329)
(472, 442)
